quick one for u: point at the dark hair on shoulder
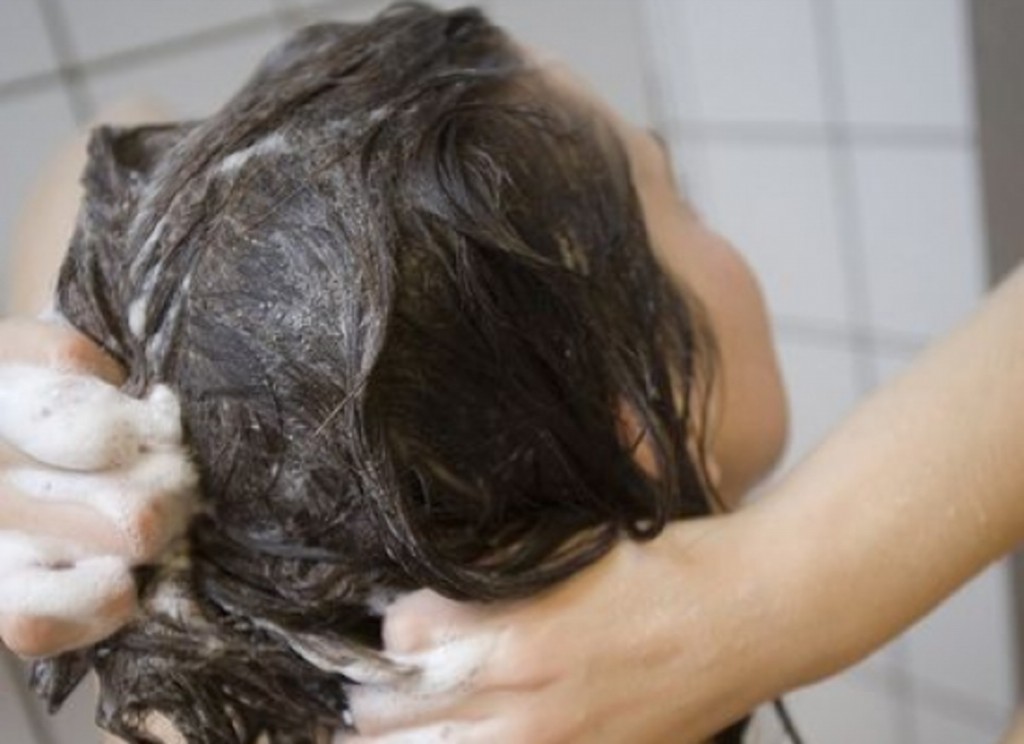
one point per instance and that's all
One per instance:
(402, 288)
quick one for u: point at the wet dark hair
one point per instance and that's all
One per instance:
(402, 288)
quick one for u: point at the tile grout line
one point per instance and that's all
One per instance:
(954, 703)
(800, 330)
(903, 686)
(68, 74)
(119, 60)
(844, 194)
(29, 84)
(851, 242)
(206, 38)
(798, 133)
(678, 88)
(652, 83)
(966, 709)
(753, 133)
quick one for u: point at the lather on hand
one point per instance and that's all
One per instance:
(92, 483)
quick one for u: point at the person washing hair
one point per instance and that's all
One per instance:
(404, 288)
(376, 390)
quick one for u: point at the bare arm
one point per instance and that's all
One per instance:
(915, 493)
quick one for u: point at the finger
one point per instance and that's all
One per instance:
(445, 683)
(35, 636)
(58, 586)
(146, 505)
(78, 422)
(60, 520)
(378, 710)
(424, 619)
(55, 345)
(447, 732)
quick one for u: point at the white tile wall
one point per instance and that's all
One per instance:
(15, 724)
(841, 711)
(690, 164)
(821, 380)
(856, 203)
(674, 90)
(303, 3)
(884, 667)
(741, 61)
(192, 82)
(775, 201)
(103, 27)
(905, 62)
(31, 126)
(886, 364)
(74, 723)
(921, 233)
(609, 54)
(354, 10)
(27, 51)
(966, 645)
(23, 717)
(940, 726)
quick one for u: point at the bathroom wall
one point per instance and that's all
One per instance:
(832, 140)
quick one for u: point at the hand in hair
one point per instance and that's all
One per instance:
(581, 662)
(903, 503)
(65, 560)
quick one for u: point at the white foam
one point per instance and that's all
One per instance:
(380, 598)
(351, 660)
(156, 345)
(138, 309)
(172, 601)
(146, 252)
(161, 480)
(95, 445)
(18, 549)
(438, 733)
(137, 315)
(446, 668)
(79, 422)
(272, 143)
(49, 578)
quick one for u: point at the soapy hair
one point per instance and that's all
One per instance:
(402, 288)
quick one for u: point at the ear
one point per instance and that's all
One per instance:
(121, 164)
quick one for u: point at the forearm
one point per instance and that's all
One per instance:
(914, 494)
(43, 230)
